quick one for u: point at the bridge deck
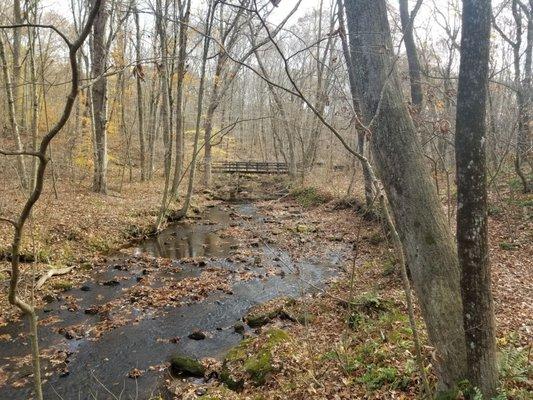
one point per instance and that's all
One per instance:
(250, 167)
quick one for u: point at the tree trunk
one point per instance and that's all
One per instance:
(428, 243)
(12, 114)
(472, 235)
(99, 99)
(369, 188)
(284, 119)
(181, 70)
(412, 55)
(524, 97)
(208, 123)
(161, 28)
(201, 88)
(139, 74)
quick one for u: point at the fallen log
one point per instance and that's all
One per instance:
(50, 273)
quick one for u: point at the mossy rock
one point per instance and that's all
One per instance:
(264, 313)
(256, 320)
(252, 360)
(233, 383)
(309, 196)
(62, 285)
(187, 366)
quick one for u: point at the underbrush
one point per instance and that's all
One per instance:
(310, 196)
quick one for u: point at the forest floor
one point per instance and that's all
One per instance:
(349, 340)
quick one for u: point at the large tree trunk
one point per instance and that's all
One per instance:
(412, 55)
(427, 241)
(139, 74)
(472, 235)
(369, 188)
(99, 99)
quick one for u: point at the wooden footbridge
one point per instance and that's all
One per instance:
(249, 167)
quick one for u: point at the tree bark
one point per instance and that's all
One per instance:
(201, 89)
(99, 99)
(428, 244)
(139, 75)
(472, 235)
(412, 55)
(185, 12)
(369, 189)
(524, 97)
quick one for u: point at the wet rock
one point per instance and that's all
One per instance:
(187, 366)
(239, 328)
(69, 334)
(256, 320)
(92, 310)
(197, 335)
(85, 288)
(49, 298)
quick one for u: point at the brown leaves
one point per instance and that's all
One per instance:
(135, 373)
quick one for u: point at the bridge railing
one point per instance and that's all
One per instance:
(250, 167)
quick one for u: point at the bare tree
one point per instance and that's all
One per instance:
(99, 98)
(18, 225)
(139, 78)
(12, 113)
(522, 63)
(201, 90)
(184, 16)
(417, 94)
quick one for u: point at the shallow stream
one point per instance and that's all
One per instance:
(98, 369)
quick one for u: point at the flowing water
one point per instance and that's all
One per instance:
(98, 369)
